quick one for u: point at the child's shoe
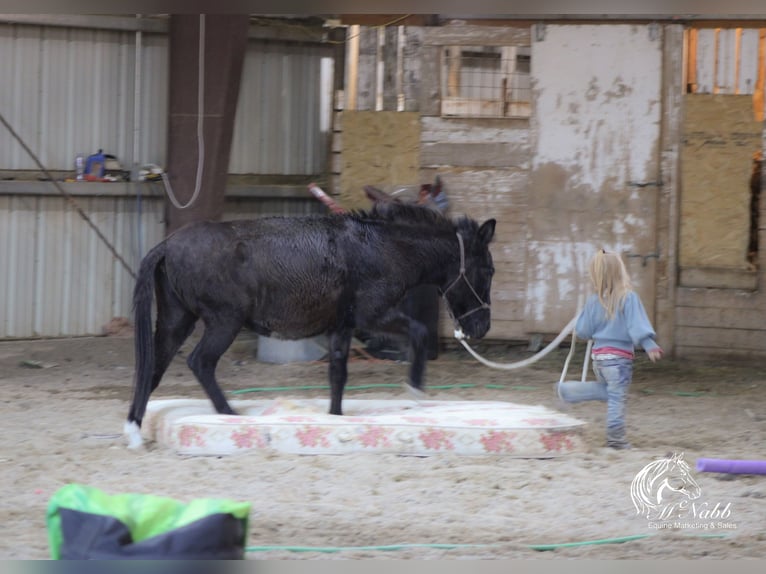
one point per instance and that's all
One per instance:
(561, 404)
(615, 439)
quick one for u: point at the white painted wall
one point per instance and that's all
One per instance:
(595, 128)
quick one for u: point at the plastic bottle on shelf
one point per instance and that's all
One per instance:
(79, 167)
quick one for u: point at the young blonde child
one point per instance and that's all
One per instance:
(616, 320)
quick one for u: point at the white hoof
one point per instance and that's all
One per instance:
(417, 394)
(133, 433)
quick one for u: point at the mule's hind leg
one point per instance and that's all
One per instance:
(170, 335)
(217, 338)
(174, 325)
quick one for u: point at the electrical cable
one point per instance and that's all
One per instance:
(539, 547)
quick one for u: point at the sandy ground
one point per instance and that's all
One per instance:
(64, 403)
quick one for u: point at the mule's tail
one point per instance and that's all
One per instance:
(143, 296)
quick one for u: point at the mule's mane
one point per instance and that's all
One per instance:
(413, 214)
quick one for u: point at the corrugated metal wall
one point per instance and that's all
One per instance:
(69, 91)
(72, 90)
(283, 111)
(64, 279)
(724, 60)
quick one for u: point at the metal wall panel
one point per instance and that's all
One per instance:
(726, 60)
(61, 279)
(249, 208)
(72, 90)
(281, 125)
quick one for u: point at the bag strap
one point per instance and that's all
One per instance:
(569, 358)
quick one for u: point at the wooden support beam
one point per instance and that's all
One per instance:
(224, 39)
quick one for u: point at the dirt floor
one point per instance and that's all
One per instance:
(64, 403)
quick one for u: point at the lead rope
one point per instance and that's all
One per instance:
(569, 358)
(534, 358)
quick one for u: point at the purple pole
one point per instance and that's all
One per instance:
(731, 466)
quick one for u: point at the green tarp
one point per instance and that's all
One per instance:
(85, 523)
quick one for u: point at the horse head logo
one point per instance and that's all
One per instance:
(662, 485)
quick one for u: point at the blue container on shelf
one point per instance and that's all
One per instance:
(95, 164)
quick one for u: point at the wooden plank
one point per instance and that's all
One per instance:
(452, 55)
(387, 19)
(719, 318)
(412, 51)
(430, 90)
(508, 256)
(337, 142)
(758, 94)
(352, 69)
(691, 61)
(718, 278)
(368, 54)
(467, 35)
(506, 293)
(498, 193)
(336, 163)
(720, 298)
(476, 155)
(507, 310)
(507, 330)
(480, 130)
(667, 221)
(390, 68)
(717, 338)
(710, 354)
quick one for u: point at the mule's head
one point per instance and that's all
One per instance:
(468, 285)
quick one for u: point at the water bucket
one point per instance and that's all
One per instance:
(272, 350)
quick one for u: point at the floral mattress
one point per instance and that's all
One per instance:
(406, 427)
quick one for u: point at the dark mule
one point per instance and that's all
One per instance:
(299, 277)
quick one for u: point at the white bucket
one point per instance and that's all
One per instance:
(272, 350)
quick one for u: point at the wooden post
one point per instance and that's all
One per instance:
(225, 41)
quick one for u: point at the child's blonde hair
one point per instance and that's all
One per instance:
(610, 279)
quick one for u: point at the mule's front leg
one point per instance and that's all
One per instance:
(399, 324)
(418, 354)
(340, 344)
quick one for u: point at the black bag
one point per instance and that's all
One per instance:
(84, 523)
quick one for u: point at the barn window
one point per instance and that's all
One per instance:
(486, 81)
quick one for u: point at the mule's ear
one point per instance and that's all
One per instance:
(487, 231)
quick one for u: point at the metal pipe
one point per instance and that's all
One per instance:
(137, 78)
(92, 22)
